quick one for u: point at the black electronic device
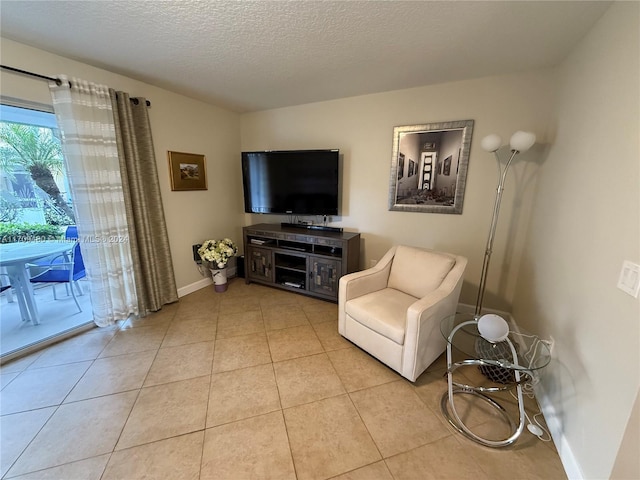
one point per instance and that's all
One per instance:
(321, 228)
(196, 255)
(324, 228)
(294, 182)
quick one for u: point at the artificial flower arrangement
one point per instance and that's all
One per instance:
(217, 252)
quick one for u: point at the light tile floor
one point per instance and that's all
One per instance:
(56, 317)
(248, 384)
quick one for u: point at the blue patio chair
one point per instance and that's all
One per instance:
(66, 268)
(6, 285)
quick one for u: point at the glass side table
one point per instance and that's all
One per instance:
(507, 364)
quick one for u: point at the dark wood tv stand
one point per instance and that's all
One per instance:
(309, 262)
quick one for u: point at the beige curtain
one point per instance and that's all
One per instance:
(155, 280)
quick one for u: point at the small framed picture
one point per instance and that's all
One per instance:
(188, 171)
(446, 169)
(412, 168)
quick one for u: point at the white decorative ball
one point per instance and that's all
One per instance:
(493, 328)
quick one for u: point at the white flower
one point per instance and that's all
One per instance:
(217, 252)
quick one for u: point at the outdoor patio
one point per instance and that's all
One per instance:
(56, 317)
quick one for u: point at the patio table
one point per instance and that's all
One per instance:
(15, 256)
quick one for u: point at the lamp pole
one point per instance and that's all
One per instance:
(492, 229)
(520, 142)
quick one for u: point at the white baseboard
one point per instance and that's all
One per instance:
(568, 459)
(194, 287)
(232, 271)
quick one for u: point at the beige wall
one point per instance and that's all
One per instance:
(362, 128)
(582, 228)
(178, 123)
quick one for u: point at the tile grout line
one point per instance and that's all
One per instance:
(284, 420)
(206, 411)
(124, 424)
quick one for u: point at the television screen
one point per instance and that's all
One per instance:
(298, 182)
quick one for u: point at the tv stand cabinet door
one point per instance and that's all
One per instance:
(260, 264)
(324, 275)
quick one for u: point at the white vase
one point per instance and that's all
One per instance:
(219, 276)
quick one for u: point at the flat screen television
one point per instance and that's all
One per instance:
(298, 182)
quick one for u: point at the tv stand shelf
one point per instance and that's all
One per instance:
(310, 262)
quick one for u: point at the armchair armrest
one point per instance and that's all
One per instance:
(360, 283)
(427, 312)
(424, 341)
(366, 281)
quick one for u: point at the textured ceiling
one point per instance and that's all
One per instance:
(255, 55)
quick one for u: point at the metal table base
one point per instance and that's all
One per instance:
(448, 407)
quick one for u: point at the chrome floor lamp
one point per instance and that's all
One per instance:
(520, 142)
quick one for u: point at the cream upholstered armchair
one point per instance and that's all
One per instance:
(393, 310)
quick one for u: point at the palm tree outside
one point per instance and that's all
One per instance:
(38, 151)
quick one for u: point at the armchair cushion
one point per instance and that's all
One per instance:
(384, 312)
(408, 270)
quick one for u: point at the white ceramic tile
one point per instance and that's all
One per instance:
(41, 387)
(165, 411)
(77, 431)
(17, 431)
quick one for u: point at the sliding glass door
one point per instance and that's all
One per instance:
(36, 210)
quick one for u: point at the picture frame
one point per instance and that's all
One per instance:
(188, 171)
(440, 186)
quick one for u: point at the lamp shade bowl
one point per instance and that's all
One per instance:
(522, 141)
(491, 143)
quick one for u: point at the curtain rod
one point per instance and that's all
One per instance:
(31, 74)
(51, 79)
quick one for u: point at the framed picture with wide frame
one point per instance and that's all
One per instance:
(188, 171)
(447, 146)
